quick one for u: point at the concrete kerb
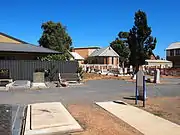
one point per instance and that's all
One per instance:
(36, 125)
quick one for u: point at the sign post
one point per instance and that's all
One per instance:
(136, 93)
(140, 87)
(144, 91)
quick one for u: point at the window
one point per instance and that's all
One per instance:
(178, 52)
(171, 52)
(112, 60)
(106, 60)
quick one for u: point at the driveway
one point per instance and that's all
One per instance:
(91, 91)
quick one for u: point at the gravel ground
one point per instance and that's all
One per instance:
(5, 119)
(96, 121)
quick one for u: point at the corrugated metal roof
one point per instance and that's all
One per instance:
(76, 56)
(97, 52)
(89, 47)
(1, 33)
(158, 61)
(107, 51)
(12, 47)
(175, 45)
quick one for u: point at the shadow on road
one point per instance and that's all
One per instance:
(130, 98)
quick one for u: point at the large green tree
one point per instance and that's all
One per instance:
(158, 57)
(121, 47)
(55, 37)
(140, 41)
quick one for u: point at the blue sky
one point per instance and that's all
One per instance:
(90, 22)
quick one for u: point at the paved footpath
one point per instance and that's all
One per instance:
(145, 122)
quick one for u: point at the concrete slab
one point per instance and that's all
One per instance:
(19, 85)
(38, 86)
(145, 122)
(49, 118)
(3, 88)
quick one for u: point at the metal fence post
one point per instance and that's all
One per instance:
(144, 91)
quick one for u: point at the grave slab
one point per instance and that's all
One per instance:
(49, 118)
(19, 85)
(38, 86)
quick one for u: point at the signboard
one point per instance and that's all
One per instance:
(140, 87)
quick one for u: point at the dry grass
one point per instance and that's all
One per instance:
(91, 76)
(169, 76)
(165, 107)
(96, 121)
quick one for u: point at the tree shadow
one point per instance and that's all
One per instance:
(120, 102)
(133, 98)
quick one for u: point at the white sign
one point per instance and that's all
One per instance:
(125, 70)
(140, 75)
(131, 68)
(157, 76)
(120, 70)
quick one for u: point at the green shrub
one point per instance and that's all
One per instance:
(80, 71)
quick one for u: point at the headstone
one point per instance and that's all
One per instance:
(120, 70)
(143, 68)
(38, 77)
(157, 76)
(131, 69)
(140, 80)
(20, 85)
(125, 70)
(92, 71)
(134, 77)
(87, 69)
(84, 68)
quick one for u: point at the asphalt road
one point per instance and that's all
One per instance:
(91, 91)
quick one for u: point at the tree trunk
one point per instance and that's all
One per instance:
(136, 68)
(123, 64)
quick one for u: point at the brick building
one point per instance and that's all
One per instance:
(85, 51)
(173, 54)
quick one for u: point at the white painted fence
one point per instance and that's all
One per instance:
(101, 67)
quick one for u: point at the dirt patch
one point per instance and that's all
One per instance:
(91, 76)
(170, 77)
(165, 107)
(96, 121)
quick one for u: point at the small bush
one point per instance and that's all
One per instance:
(80, 71)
